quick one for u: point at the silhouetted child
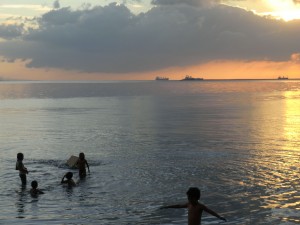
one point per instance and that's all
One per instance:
(22, 169)
(69, 181)
(195, 208)
(34, 190)
(81, 165)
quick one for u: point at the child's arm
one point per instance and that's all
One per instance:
(20, 166)
(23, 169)
(178, 206)
(213, 213)
(87, 165)
(62, 180)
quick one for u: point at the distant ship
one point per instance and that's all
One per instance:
(161, 78)
(282, 78)
(188, 78)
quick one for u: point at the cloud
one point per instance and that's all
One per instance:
(295, 57)
(34, 7)
(11, 31)
(56, 4)
(180, 2)
(111, 39)
(175, 2)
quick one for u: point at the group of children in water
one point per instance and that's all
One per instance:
(67, 178)
(195, 208)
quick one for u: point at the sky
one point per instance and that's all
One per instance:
(142, 39)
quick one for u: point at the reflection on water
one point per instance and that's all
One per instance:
(284, 174)
(21, 202)
(292, 118)
(146, 144)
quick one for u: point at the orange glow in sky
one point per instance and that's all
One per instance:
(211, 70)
(155, 41)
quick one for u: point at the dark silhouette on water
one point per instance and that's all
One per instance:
(22, 169)
(161, 78)
(282, 78)
(69, 181)
(34, 190)
(190, 78)
(81, 165)
(195, 209)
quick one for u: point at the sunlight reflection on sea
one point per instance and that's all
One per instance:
(146, 143)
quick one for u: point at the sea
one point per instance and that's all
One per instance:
(146, 143)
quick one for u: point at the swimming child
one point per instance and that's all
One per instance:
(81, 165)
(22, 169)
(34, 190)
(195, 208)
(69, 181)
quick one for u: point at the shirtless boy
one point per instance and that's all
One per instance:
(81, 163)
(34, 191)
(22, 169)
(195, 209)
(69, 181)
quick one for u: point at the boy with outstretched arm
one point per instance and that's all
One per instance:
(195, 209)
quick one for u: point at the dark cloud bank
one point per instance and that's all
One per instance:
(112, 39)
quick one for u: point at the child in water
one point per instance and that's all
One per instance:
(81, 165)
(195, 208)
(34, 190)
(69, 181)
(22, 169)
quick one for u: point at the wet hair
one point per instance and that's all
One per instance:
(194, 192)
(34, 184)
(20, 156)
(81, 155)
(69, 175)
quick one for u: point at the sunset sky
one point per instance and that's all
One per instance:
(142, 39)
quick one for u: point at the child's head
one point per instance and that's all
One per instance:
(69, 175)
(81, 155)
(34, 184)
(20, 156)
(193, 193)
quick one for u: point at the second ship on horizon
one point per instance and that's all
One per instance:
(187, 78)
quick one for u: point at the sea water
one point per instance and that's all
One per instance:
(146, 143)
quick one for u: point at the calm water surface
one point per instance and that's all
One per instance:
(147, 142)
